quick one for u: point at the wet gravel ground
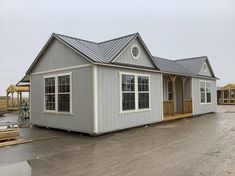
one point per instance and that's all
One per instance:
(198, 146)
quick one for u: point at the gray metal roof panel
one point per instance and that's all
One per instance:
(102, 52)
(194, 65)
(90, 49)
(171, 66)
(112, 48)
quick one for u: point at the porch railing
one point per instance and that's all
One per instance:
(227, 101)
(188, 106)
(168, 108)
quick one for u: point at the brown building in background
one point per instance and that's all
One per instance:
(226, 94)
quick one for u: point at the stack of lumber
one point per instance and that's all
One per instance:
(9, 134)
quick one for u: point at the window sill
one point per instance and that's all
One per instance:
(134, 111)
(58, 113)
(206, 103)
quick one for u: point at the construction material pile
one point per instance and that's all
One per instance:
(9, 134)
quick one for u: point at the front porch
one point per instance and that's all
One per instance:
(177, 91)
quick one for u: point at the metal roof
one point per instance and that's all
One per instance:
(193, 64)
(107, 51)
(103, 52)
(171, 66)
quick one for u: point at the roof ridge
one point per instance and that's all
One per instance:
(163, 58)
(176, 63)
(79, 40)
(191, 58)
(76, 38)
(117, 38)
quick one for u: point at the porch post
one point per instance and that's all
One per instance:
(183, 79)
(7, 101)
(173, 78)
(18, 106)
(12, 99)
(222, 96)
(20, 98)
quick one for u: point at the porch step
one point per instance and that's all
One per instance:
(177, 116)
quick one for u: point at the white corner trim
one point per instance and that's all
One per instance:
(62, 69)
(192, 95)
(30, 100)
(95, 110)
(162, 98)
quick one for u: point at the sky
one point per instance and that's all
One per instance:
(172, 29)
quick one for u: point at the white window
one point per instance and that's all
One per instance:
(128, 92)
(135, 52)
(64, 93)
(205, 92)
(50, 94)
(58, 93)
(134, 92)
(143, 92)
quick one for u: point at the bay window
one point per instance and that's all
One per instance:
(134, 92)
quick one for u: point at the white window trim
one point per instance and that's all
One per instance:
(56, 94)
(136, 93)
(204, 68)
(206, 103)
(137, 57)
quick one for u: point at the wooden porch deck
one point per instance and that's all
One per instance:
(168, 110)
(177, 116)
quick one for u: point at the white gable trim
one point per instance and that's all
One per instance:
(53, 36)
(116, 57)
(143, 45)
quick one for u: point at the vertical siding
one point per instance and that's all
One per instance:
(109, 117)
(165, 89)
(205, 73)
(199, 108)
(127, 58)
(82, 105)
(58, 55)
(178, 95)
(188, 88)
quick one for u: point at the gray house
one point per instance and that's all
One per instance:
(95, 88)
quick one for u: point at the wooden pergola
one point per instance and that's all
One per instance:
(18, 90)
(226, 94)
